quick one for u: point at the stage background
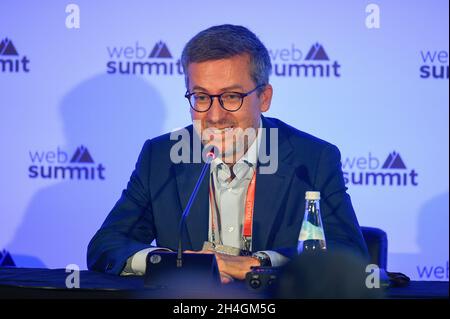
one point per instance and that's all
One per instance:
(383, 102)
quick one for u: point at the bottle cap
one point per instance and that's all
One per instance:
(312, 195)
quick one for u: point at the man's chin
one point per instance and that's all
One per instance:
(231, 158)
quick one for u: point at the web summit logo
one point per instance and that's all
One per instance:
(434, 64)
(367, 171)
(139, 60)
(10, 60)
(56, 165)
(316, 63)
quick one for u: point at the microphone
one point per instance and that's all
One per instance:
(210, 156)
(181, 270)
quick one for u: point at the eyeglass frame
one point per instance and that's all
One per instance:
(219, 97)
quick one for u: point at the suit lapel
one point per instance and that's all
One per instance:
(271, 190)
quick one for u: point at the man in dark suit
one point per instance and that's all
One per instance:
(253, 198)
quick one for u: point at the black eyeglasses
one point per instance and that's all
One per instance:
(230, 101)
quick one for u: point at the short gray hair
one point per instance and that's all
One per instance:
(226, 41)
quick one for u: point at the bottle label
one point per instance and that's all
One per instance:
(310, 231)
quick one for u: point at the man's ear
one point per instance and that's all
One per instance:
(266, 98)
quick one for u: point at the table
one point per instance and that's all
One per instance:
(51, 283)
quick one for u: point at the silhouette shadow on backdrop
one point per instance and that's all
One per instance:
(111, 116)
(432, 223)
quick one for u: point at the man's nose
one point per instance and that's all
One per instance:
(216, 111)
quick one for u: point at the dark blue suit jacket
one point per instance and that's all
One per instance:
(151, 205)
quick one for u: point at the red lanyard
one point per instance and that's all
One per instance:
(249, 208)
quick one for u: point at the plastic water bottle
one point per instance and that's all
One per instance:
(312, 235)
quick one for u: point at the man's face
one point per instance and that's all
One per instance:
(218, 126)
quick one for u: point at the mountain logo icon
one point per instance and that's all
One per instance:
(82, 155)
(317, 53)
(394, 161)
(160, 50)
(6, 259)
(7, 47)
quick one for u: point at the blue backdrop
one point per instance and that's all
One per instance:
(84, 84)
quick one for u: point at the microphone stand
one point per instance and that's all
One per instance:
(210, 156)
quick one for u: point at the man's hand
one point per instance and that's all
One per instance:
(231, 267)
(236, 266)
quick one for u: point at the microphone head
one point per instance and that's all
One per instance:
(210, 154)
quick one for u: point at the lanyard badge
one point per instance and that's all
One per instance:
(248, 221)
